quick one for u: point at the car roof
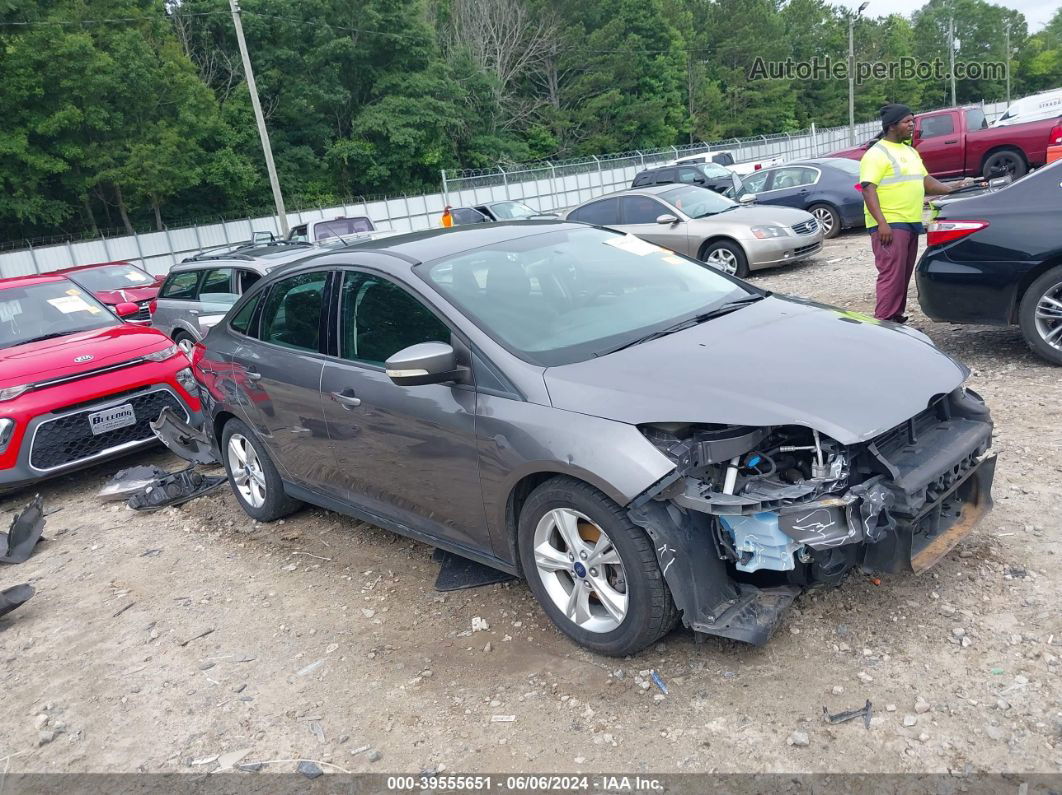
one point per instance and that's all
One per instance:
(31, 279)
(76, 268)
(432, 244)
(245, 255)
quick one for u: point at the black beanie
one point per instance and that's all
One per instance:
(890, 114)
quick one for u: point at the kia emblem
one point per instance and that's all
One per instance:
(84, 358)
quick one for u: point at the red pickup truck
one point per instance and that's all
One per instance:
(957, 142)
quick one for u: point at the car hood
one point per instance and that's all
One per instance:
(757, 214)
(127, 294)
(54, 358)
(780, 361)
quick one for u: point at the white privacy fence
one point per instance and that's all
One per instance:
(546, 186)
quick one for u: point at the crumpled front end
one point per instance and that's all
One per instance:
(785, 508)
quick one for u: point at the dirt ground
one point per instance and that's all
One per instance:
(327, 641)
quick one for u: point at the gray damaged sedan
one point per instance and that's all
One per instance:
(734, 237)
(644, 439)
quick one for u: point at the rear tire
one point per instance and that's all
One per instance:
(183, 335)
(727, 257)
(828, 219)
(619, 603)
(1005, 162)
(252, 475)
(1040, 315)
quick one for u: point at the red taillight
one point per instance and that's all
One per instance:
(153, 305)
(757, 167)
(941, 232)
(1055, 136)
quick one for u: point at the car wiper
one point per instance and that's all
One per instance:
(717, 212)
(682, 325)
(43, 337)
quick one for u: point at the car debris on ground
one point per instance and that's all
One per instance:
(25, 531)
(148, 488)
(15, 596)
(863, 712)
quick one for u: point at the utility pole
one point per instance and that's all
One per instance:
(951, 53)
(851, 73)
(263, 133)
(689, 87)
(1006, 40)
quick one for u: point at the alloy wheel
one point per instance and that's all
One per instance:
(1049, 316)
(581, 570)
(825, 219)
(723, 259)
(246, 471)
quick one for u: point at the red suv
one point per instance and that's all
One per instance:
(77, 384)
(117, 284)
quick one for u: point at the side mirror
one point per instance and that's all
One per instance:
(667, 219)
(424, 363)
(748, 198)
(699, 180)
(262, 237)
(126, 309)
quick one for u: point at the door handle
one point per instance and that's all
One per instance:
(346, 399)
(252, 375)
(952, 141)
(193, 311)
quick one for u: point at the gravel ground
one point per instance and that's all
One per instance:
(326, 641)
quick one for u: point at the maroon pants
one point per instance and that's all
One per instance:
(895, 263)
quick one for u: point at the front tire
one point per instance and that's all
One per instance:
(253, 476)
(1040, 315)
(593, 571)
(828, 219)
(727, 257)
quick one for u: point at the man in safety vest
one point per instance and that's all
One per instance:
(895, 184)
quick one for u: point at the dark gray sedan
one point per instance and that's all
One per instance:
(643, 438)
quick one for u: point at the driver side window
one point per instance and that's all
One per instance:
(378, 319)
(754, 183)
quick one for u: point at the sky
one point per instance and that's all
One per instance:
(1037, 12)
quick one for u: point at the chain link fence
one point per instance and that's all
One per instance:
(555, 186)
(549, 186)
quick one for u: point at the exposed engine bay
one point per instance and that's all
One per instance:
(788, 506)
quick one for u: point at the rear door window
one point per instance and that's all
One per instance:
(933, 126)
(755, 183)
(603, 213)
(292, 313)
(216, 280)
(180, 286)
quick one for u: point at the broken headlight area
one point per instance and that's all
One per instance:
(789, 506)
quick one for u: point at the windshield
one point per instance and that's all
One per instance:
(112, 277)
(565, 296)
(697, 202)
(53, 309)
(511, 210)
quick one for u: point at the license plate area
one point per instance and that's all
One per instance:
(111, 419)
